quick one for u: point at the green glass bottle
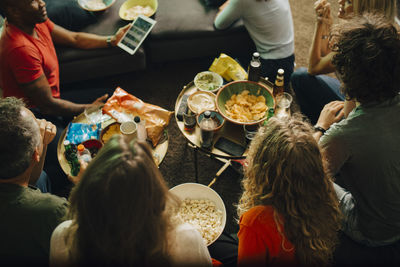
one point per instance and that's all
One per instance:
(270, 114)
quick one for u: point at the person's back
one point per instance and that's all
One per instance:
(368, 143)
(28, 217)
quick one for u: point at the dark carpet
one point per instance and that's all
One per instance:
(160, 85)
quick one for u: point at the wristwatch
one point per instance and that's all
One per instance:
(319, 129)
(109, 41)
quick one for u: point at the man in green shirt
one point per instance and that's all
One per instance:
(28, 216)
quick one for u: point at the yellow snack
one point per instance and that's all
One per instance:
(245, 107)
(110, 131)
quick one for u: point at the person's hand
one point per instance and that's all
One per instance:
(331, 113)
(120, 33)
(323, 10)
(83, 167)
(100, 101)
(47, 131)
(345, 8)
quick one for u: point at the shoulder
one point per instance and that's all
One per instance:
(257, 215)
(58, 247)
(45, 203)
(60, 231)
(186, 232)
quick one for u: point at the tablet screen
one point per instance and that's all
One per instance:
(136, 34)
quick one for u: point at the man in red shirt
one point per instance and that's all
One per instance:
(29, 66)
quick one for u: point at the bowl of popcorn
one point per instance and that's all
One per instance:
(131, 9)
(244, 102)
(203, 208)
(95, 5)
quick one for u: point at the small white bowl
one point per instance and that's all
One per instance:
(87, 4)
(199, 191)
(208, 81)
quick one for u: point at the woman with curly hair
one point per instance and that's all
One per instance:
(123, 214)
(289, 212)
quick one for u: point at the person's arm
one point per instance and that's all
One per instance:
(47, 133)
(84, 40)
(228, 13)
(39, 93)
(331, 113)
(320, 58)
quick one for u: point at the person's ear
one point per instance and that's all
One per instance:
(36, 155)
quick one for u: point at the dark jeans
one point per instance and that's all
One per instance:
(43, 183)
(314, 92)
(59, 182)
(225, 249)
(269, 68)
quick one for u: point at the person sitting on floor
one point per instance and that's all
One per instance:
(312, 89)
(289, 213)
(123, 214)
(363, 151)
(29, 69)
(28, 216)
(270, 25)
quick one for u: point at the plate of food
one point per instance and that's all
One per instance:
(95, 5)
(131, 9)
(208, 81)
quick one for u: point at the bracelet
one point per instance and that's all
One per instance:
(109, 41)
(319, 129)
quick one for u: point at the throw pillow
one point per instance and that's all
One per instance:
(68, 14)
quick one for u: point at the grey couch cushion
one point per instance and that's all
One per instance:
(185, 29)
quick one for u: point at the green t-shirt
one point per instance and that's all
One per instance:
(27, 220)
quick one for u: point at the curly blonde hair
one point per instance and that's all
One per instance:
(286, 171)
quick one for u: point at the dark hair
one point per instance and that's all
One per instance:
(19, 137)
(121, 209)
(286, 171)
(368, 58)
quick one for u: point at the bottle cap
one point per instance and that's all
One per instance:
(281, 71)
(136, 119)
(256, 54)
(66, 142)
(81, 147)
(207, 114)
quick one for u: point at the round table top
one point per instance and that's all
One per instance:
(159, 151)
(230, 131)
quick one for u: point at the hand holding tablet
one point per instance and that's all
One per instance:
(134, 37)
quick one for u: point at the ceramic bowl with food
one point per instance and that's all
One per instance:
(95, 5)
(219, 120)
(131, 9)
(109, 131)
(203, 208)
(200, 101)
(208, 81)
(244, 102)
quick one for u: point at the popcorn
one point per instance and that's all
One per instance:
(204, 216)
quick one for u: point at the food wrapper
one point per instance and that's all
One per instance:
(123, 106)
(80, 132)
(228, 68)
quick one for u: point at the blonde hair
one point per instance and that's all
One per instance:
(386, 7)
(286, 171)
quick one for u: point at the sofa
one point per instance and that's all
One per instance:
(184, 30)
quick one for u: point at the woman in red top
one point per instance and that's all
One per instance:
(288, 212)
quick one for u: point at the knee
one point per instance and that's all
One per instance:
(299, 77)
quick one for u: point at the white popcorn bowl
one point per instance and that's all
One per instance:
(199, 191)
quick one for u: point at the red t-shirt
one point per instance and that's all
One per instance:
(260, 241)
(24, 59)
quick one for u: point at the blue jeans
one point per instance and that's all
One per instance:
(43, 183)
(350, 220)
(314, 92)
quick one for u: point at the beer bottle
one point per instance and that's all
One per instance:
(279, 83)
(253, 71)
